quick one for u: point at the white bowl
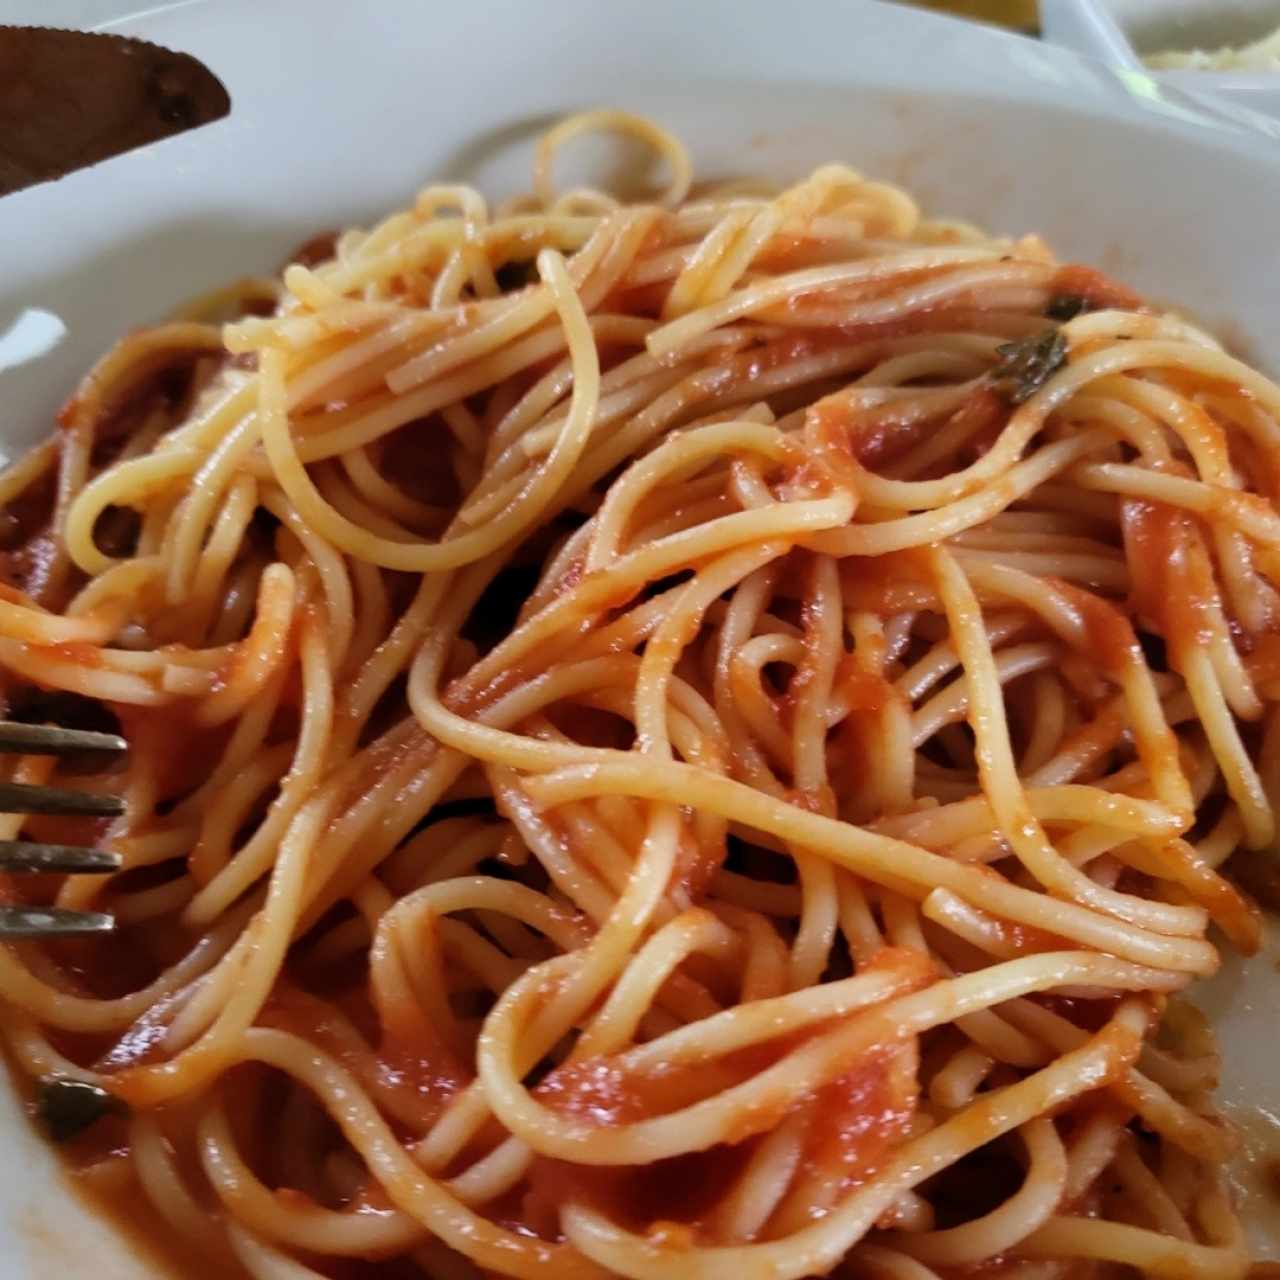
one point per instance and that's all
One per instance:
(336, 117)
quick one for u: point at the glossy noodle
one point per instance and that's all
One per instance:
(678, 739)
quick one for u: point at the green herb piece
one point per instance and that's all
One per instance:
(1024, 367)
(68, 1107)
(1066, 306)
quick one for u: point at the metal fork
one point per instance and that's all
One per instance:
(30, 856)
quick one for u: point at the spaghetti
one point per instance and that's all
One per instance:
(681, 739)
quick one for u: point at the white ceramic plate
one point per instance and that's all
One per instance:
(339, 113)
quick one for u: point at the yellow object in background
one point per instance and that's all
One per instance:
(1022, 14)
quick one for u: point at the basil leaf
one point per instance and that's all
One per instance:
(1024, 367)
(68, 1107)
(1066, 306)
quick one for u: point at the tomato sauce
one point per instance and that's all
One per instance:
(863, 690)
(1109, 634)
(697, 863)
(885, 585)
(1096, 288)
(604, 1092)
(170, 745)
(669, 1200)
(860, 1117)
(1172, 577)
(857, 1119)
(830, 445)
(415, 1072)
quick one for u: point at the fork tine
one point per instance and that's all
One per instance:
(23, 855)
(27, 855)
(50, 740)
(49, 922)
(17, 797)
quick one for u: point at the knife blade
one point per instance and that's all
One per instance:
(71, 99)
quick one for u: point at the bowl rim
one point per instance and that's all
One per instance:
(1066, 83)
